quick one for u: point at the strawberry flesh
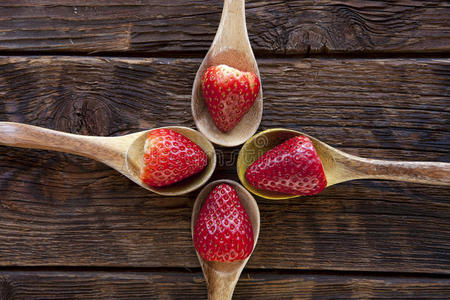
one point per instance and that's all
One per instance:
(229, 94)
(170, 157)
(223, 231)
(293, 167)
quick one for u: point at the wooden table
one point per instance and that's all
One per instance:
(368, 77)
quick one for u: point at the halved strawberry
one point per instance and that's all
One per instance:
(293, 167)
(223, 231)
(229, 94)
(170, 157)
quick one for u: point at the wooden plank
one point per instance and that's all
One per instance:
(60, 209)
(184, 285)
(276, 27)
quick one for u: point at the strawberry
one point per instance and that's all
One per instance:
(229, 94)
(293, 167)
(223, 231)
(170, 157)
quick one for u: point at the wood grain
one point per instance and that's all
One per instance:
(60, 209)
(278, 27)
(191, 285)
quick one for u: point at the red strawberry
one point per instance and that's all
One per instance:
(223, 231)
(229, 94)
(170, 157)
(292, 167)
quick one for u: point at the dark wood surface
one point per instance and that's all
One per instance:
(293, 27)
(71, 227)
(178, 284)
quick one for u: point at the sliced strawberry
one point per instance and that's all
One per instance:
(223, 231)
(170, 157)
(293, 167)
(229, 94)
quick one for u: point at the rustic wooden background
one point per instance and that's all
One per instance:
(369, 77)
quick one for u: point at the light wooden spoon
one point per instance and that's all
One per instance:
(231, 46)
(221, 278)
(340, 166)
(123, 153)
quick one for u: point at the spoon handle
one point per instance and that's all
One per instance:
(437, 173)
(221, 287)
(28, 136)
(232, 31)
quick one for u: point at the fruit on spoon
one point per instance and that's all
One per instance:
(293, 167)
(223, 230)
(229, 94)
(170, 157)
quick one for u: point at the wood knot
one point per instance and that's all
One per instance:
(351, 30)
(307, 38)
(83, 116)
(7, 291)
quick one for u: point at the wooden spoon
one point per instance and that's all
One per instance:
(231, 46)
(340, 166)
(221, 278)
(123, 153)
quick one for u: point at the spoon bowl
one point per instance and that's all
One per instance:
(135, 153)
(230, 46)
(222, 277)
(337, 165)
(123, 153)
